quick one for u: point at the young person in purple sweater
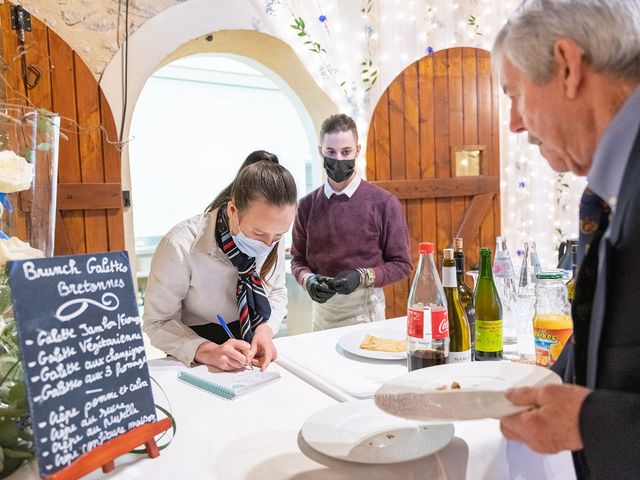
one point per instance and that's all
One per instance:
(350, 238)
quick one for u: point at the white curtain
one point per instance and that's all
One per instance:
(355, 48)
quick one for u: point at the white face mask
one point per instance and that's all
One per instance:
(250, 246)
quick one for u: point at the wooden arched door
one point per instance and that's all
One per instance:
(90, 204)
(442, 107)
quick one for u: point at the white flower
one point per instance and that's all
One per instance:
(16, 249)
(15, 172)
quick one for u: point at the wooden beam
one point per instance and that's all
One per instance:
(478, 209)
(89, 196)
(441, 188)
(62, 244)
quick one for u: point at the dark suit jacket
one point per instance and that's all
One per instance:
(610, 415)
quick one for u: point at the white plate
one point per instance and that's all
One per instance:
(419, 395)
(351, 341)
(360, 432)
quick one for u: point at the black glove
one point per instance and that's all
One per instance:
(345, 282)
(318, 288)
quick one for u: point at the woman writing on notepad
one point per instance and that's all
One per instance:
(228, 261)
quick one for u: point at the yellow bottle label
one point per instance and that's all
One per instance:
(488, 335)
(551, 333)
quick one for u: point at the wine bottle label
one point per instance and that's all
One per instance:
(488, 335)
(449, 279)
(459, 357)
(439, 320)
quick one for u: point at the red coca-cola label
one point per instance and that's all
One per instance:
(440, 324)
(415, 323)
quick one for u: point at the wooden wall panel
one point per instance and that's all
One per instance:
(67, 87)
(69, 168)
(471, 120)
(427, 150)
(398, 166)
(447, 99)
(380, 168)
(456, 131)
(112, 173)
(442, 148)
(14, 87)
(37, 53)
(412, 159)
(488, 229)
(92, 164)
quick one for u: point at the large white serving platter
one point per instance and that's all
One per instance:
(426, 394)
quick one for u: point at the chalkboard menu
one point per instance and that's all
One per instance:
(82, 351)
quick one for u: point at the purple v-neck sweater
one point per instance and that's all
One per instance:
(368, 230)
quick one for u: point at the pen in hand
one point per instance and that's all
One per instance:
(223, 324)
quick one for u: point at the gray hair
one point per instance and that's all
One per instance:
(607, 31)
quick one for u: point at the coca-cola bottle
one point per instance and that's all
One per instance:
(427, 316)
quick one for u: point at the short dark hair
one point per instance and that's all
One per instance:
(338, 123)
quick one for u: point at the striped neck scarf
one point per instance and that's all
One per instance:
(253, 304)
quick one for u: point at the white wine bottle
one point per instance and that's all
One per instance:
(459, 333)
(464, 292)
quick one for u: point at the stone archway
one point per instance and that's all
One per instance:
(182, 30)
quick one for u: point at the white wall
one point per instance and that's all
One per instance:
(194, 123)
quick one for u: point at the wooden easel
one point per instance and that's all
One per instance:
(104, 456)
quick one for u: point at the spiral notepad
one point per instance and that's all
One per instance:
(229, 384)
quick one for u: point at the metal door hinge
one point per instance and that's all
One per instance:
(20, 18)
(126, 198)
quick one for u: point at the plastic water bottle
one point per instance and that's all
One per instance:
(505, 279)
(525, 304)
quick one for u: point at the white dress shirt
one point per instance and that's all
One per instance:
(192, 280)
(349, 190)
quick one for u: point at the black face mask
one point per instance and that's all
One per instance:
(339, 170)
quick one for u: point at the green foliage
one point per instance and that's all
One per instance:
(16, 435)
(369, 74)
(300, 27)
(472, 21)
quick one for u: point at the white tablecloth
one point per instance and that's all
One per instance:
(257, 437)
(317, 359)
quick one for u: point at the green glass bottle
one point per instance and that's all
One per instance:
(464, 291)
(459, 334)
(488, 344)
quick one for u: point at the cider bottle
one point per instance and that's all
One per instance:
(488, 313)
